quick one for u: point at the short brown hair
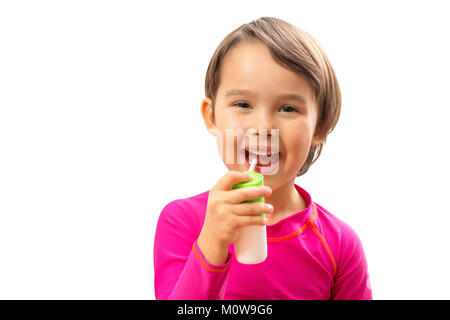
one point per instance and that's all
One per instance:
(298, 51)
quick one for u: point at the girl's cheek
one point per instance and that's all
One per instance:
(228, 147)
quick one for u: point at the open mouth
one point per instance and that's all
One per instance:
(267, 162)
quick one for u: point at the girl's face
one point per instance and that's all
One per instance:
(255, 93)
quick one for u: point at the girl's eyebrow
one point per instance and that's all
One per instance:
(290, 96)
(236, 92)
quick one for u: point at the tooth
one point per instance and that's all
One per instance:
(260, 153)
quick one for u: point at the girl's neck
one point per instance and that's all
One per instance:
(286, 200)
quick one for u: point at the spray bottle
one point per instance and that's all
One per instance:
(251, 244)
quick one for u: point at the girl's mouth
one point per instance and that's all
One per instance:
(267, 163)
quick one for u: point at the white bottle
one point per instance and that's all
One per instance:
(251, 244)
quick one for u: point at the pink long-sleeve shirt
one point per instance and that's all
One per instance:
(311, 255)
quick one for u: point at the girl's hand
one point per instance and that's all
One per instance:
(225, 214)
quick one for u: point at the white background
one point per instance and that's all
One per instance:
(100, 127)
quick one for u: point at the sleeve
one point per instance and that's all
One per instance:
(181, 270)
(352, 277)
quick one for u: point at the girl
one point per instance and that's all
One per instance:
(264, 75)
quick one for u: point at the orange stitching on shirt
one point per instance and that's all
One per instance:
(296, 233)
(324, 243)
(197, 254)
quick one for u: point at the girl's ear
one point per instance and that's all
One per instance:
(315, 142)
(317, 139)
(208, 116)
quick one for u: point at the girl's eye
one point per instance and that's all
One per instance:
(241, 103)
(286, 108)
(292, 109)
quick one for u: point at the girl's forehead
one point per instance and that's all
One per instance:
(251, 69)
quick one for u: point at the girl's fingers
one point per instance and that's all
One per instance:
(231, 178)
(245, 209)
(251, 221)
(248, 193)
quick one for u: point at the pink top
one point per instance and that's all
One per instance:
(311, 255)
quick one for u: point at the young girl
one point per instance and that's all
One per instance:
(264, 75)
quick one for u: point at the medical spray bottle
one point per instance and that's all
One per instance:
(251, 244)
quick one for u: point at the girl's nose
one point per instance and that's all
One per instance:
(263, 122)
(263, 129)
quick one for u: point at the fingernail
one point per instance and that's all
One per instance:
(269, 206)
(266, 221)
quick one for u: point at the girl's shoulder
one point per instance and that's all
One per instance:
(193, 203)
(339, 235)
(189, 211)
(330, 221)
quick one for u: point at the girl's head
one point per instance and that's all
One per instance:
(274, 62)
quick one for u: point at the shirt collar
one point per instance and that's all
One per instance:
(293, 224)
